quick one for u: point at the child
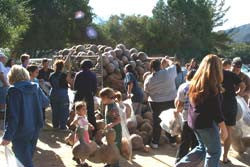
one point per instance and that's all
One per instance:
(118, 99)
(81, 122)
(188, 139)
(112, 117)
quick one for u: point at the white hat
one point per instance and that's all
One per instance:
(2, 54)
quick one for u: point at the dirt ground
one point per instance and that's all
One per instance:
(53, 152)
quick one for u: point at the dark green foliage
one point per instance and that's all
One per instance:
(178, 27)
(54, 26)
(183, 28)
(237, 50)
(14, 20)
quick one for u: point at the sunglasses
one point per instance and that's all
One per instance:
(236, 66)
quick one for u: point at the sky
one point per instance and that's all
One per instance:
(238, 14)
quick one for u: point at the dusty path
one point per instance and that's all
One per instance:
(53, 152)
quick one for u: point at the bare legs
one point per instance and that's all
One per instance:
(227, 144)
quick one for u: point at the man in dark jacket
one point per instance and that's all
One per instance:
(85, 86)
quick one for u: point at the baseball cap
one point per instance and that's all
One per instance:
(237, 62)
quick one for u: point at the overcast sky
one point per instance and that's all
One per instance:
(238, 14)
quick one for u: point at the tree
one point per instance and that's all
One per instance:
(129, 30)
(177, 27)
(163, 34)
(14, 20)
(112, 30)
(237, 50)
(135, 31)
(54, 25)
(198, 18)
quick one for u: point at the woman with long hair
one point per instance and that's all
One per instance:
(205, 114)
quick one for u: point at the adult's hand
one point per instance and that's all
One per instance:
(5, 142)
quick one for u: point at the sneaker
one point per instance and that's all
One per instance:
(154, 146)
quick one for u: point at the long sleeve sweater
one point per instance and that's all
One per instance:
(25, 101)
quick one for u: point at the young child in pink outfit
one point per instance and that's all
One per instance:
(82, 123)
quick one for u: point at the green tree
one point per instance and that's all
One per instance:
(135, 31)
(14, 20)
(198, 19)
(178, 27)
(163, 33)
(112, 30)
(237, 50)
(129, 30)
(54, 25)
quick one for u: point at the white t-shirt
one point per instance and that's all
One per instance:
(4, 71)
(182, 95)
(160, 86)
(82, 122)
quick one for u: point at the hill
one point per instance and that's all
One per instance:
(240, 34)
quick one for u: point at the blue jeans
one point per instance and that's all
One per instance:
(208, 148)
(3, 94)
(24, 149)
(60, 111)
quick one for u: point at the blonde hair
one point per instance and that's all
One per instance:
(207, 80)
(118, 96)
(79, 105)
(58, 65)
(18, 73)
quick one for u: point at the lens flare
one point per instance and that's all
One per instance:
(91, 32)
(79, 15)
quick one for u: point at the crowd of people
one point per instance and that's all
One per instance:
(204, 93)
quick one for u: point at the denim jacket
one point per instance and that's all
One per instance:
(25, 101)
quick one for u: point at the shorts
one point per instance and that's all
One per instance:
(229, 110)
(3, 94)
